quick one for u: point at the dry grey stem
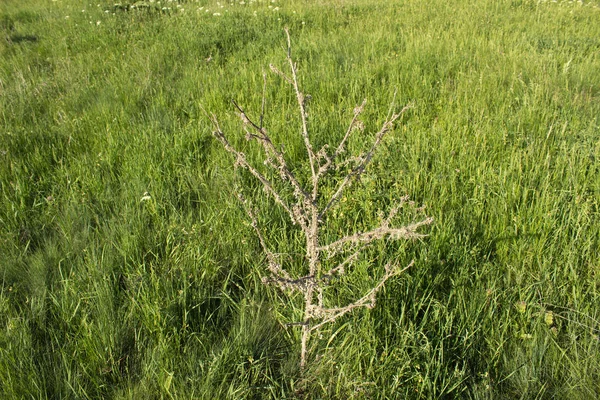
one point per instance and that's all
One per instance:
(307, 208)
(404, 232)
(353, 124)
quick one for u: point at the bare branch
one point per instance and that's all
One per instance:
(368, 300)
(281, 74)
(322, 155)
(405, 232)
(270, 150)
(273, 266)
(360, 168)
(300, 99)
(240, 159)
(342, 146)
(300, 284)
(395, 210)
(340, 268)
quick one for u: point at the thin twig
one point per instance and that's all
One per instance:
(300, 99)
(360, 168)
(342, 146)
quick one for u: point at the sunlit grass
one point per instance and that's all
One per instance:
(128, 269)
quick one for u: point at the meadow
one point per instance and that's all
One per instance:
(129, 269)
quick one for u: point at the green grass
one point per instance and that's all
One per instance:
(103, 295)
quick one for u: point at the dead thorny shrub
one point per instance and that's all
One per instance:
(308, 208)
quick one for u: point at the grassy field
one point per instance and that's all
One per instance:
(128, 268)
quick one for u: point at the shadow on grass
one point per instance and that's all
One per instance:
(18, 39)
